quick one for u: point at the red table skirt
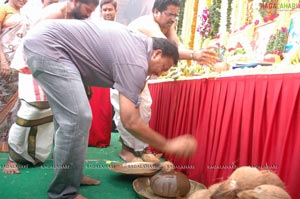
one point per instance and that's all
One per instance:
(100, 132)
(238, 121)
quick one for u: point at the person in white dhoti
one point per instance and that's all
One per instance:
(13, 26)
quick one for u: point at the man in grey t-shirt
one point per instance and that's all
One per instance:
(63, 55)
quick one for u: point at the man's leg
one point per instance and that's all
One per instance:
(67, 98)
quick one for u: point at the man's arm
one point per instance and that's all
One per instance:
(206, 56)
(184, 145)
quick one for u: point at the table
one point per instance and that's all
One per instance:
(250, 120)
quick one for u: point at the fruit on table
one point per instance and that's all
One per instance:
(220, 66)
(274, 58)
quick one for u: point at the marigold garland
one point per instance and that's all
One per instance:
(193, 28)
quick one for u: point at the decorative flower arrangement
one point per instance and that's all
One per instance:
(277, 42)
(204, 26)
(210, 20)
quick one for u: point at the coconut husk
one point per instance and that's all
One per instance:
(269, 177)
(226, 190)
(247, 177)
(201, 194)
(265, 191)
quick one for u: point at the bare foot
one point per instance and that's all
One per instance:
(126, 155)
(11, 167)
(80, 197)
(89, 181)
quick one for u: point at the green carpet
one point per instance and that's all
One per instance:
(33, 183)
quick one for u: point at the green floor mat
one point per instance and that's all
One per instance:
(33, 183)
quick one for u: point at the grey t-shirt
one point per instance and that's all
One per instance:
(106, 53)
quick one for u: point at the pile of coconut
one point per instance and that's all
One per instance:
(246, 183)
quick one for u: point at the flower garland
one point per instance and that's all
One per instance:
(193, 28)
(223, 17)
(187, 22)
(180, 17)
(215, 16)
(229, 10)
(249, 17)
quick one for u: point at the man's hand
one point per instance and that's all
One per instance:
(183, 146)
(206, 56)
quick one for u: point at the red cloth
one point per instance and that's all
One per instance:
(238, 121)
(100, 132)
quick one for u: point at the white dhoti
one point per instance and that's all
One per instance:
(31, 136)
(145, 111)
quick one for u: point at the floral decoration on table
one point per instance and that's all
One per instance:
(176, 74)
(277, 42)
(182, 71)
(240, 27)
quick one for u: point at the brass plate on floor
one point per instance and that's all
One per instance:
(142, 187)
(136, 168)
